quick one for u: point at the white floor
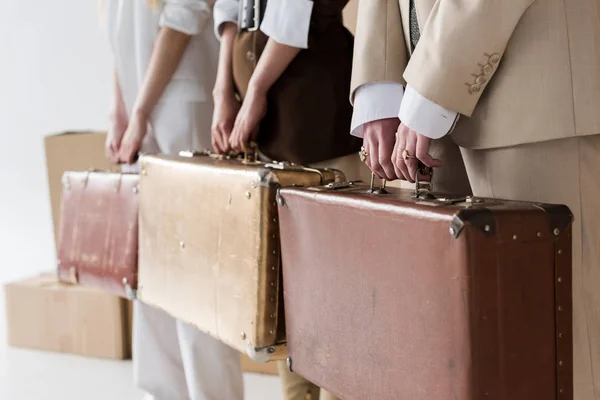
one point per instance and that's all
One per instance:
(33, 375)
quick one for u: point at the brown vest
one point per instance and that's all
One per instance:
(308, 112)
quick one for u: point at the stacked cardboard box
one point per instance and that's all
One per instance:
(45, 314)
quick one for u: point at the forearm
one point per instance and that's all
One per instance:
(118, 109)
(224, 82)
(273, 62)
(168, 51)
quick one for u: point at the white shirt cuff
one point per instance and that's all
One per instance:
(288, 22)
(426, 117)
(225, 11)
(375, 101)
(187, 16)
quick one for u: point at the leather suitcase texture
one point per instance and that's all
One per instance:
(391, 297)
(209, 245)
(98, 236)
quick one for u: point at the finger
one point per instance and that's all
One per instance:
(374, 158)
(411, 147)
(216, 141)
(394, 158)
(422, 152)
(242, 140)
(398, 160)
(385, 159)
(232, 142)
(114, 158)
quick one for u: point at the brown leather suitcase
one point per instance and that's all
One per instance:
(98, 236)
(209, 245)
(393, 297)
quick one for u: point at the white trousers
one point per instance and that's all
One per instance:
(171, 359)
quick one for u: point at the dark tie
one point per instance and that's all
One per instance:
(415, 33)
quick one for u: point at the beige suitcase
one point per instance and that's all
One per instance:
(209, 245)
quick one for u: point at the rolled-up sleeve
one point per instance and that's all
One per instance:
(225, 11)
(288, 22)
(187, 16)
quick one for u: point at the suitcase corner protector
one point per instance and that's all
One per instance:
(479, 217)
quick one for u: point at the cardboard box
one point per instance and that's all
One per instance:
(258, 368)
(44, 314)
(81, 151)
(350, 13)
(71, 151)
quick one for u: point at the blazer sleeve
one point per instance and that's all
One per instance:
(380, 53)
(460, 48)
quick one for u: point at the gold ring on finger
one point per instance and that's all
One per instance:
(406, 156)
(363, 154)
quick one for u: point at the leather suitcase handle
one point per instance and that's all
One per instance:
(423, 189)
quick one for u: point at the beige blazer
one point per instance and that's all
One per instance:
(524, 71)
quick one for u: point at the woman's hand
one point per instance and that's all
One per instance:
(410, 148)
(116, 131)
(226, 110)
(248, 119)
(133, 138)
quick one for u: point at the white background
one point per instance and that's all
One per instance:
(55, 70)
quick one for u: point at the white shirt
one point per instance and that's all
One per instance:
(133, 26)
(288, 22)
(285, 21)
(382, 100)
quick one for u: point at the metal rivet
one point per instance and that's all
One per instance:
(125, 281)
(559, 279)
(488, 228)
(514, 237)
(273, 268)
(272, 316)
(243, 336)
(271, 350)
(274, 252)
(250, 55)
(135, 189)
(561, 391)
(560, 252)
(452, 231)
(560, 335)
(539, 234)
(272, 284)
(248, 195)
(280, 201)
(182, 245)
(559, 308)
(272, 300)
(560, 363)
(556, 232)
(270, 332)
(274, 219)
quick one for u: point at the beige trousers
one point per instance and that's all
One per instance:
(564, 171)
(294, 386)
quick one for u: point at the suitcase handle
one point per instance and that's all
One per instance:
(423, 189)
